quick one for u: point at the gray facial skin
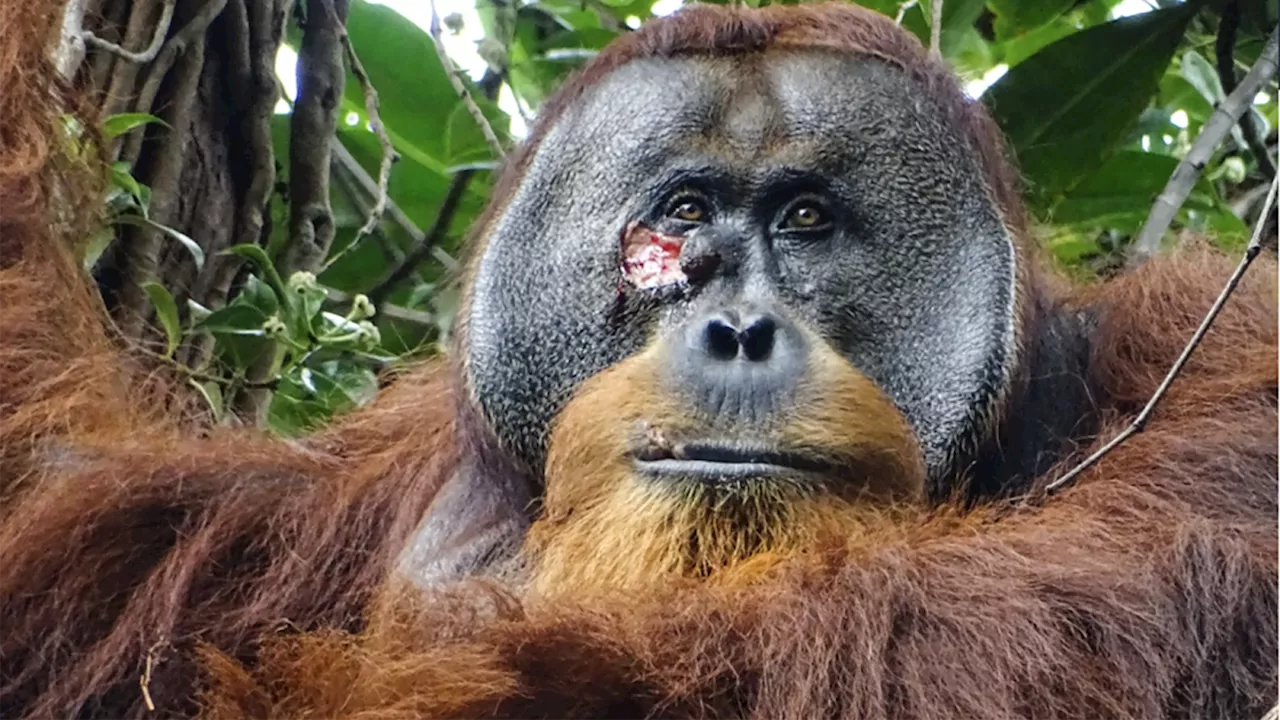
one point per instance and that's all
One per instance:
(912, 281)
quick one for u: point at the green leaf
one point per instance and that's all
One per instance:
(291, 415)
(192, 246)
(1119, 196)
(237, 330)
(97, 245)
(166, 312)
(212, 394)
(1015, 17)
(117, 125)
(1203, 77)
(958, 16)
(122, 178)
(1067, 108)
(260, 295)
(1070, 248)
(1120, 193)
(234, 319)
(1027, 44)
(416, 99)
(258, 257)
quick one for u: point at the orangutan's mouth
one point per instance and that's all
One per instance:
(718, 461)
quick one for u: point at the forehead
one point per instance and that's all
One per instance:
(807, 107)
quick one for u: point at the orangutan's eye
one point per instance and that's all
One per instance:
(688, 209)
(805, 215)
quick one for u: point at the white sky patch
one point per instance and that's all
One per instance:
(461, 48)
(1261, 98)
(1132, 7)
(287, 71)
(1179, 118)
(666, 7)
(975, 88)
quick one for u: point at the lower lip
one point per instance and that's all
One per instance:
(714, 470)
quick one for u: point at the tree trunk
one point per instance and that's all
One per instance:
(211, 169)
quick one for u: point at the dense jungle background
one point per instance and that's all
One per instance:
(288, 184)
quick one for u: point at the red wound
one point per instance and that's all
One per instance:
(651, 259)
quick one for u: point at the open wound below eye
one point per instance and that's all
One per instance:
(651, 259)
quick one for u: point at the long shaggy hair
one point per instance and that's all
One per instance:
(602, 527)
(233, 575)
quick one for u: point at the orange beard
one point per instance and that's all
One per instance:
(607, 529)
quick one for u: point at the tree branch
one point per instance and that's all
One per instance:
(347, 162)
(1224, 51)
(190, 33)
(935, 29)
(1184, 177)
(428, 244)
(142, 245)
(321, 77)
(454, 79)
(389, 154)
(70, 51)
(255, 29)
(422, 250)
(1140, 422)
(144, 56)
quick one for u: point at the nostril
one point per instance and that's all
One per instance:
(757, 339)
(721, 339)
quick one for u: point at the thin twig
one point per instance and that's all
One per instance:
(935, 29)
(340, 178)
(456, 80)
(1224, 51)
(135, 347)
(347, 162)
(1139, 423)
(521, 108)
(428, 244)
(144, 681)
(439, 228)
(415, 317)
(1184, 177)
(145, 56)
(389, 154)
(902, 11)
(113, 16)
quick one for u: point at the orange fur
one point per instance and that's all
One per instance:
(603, 527)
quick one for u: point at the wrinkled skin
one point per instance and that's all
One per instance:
(912, 279)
